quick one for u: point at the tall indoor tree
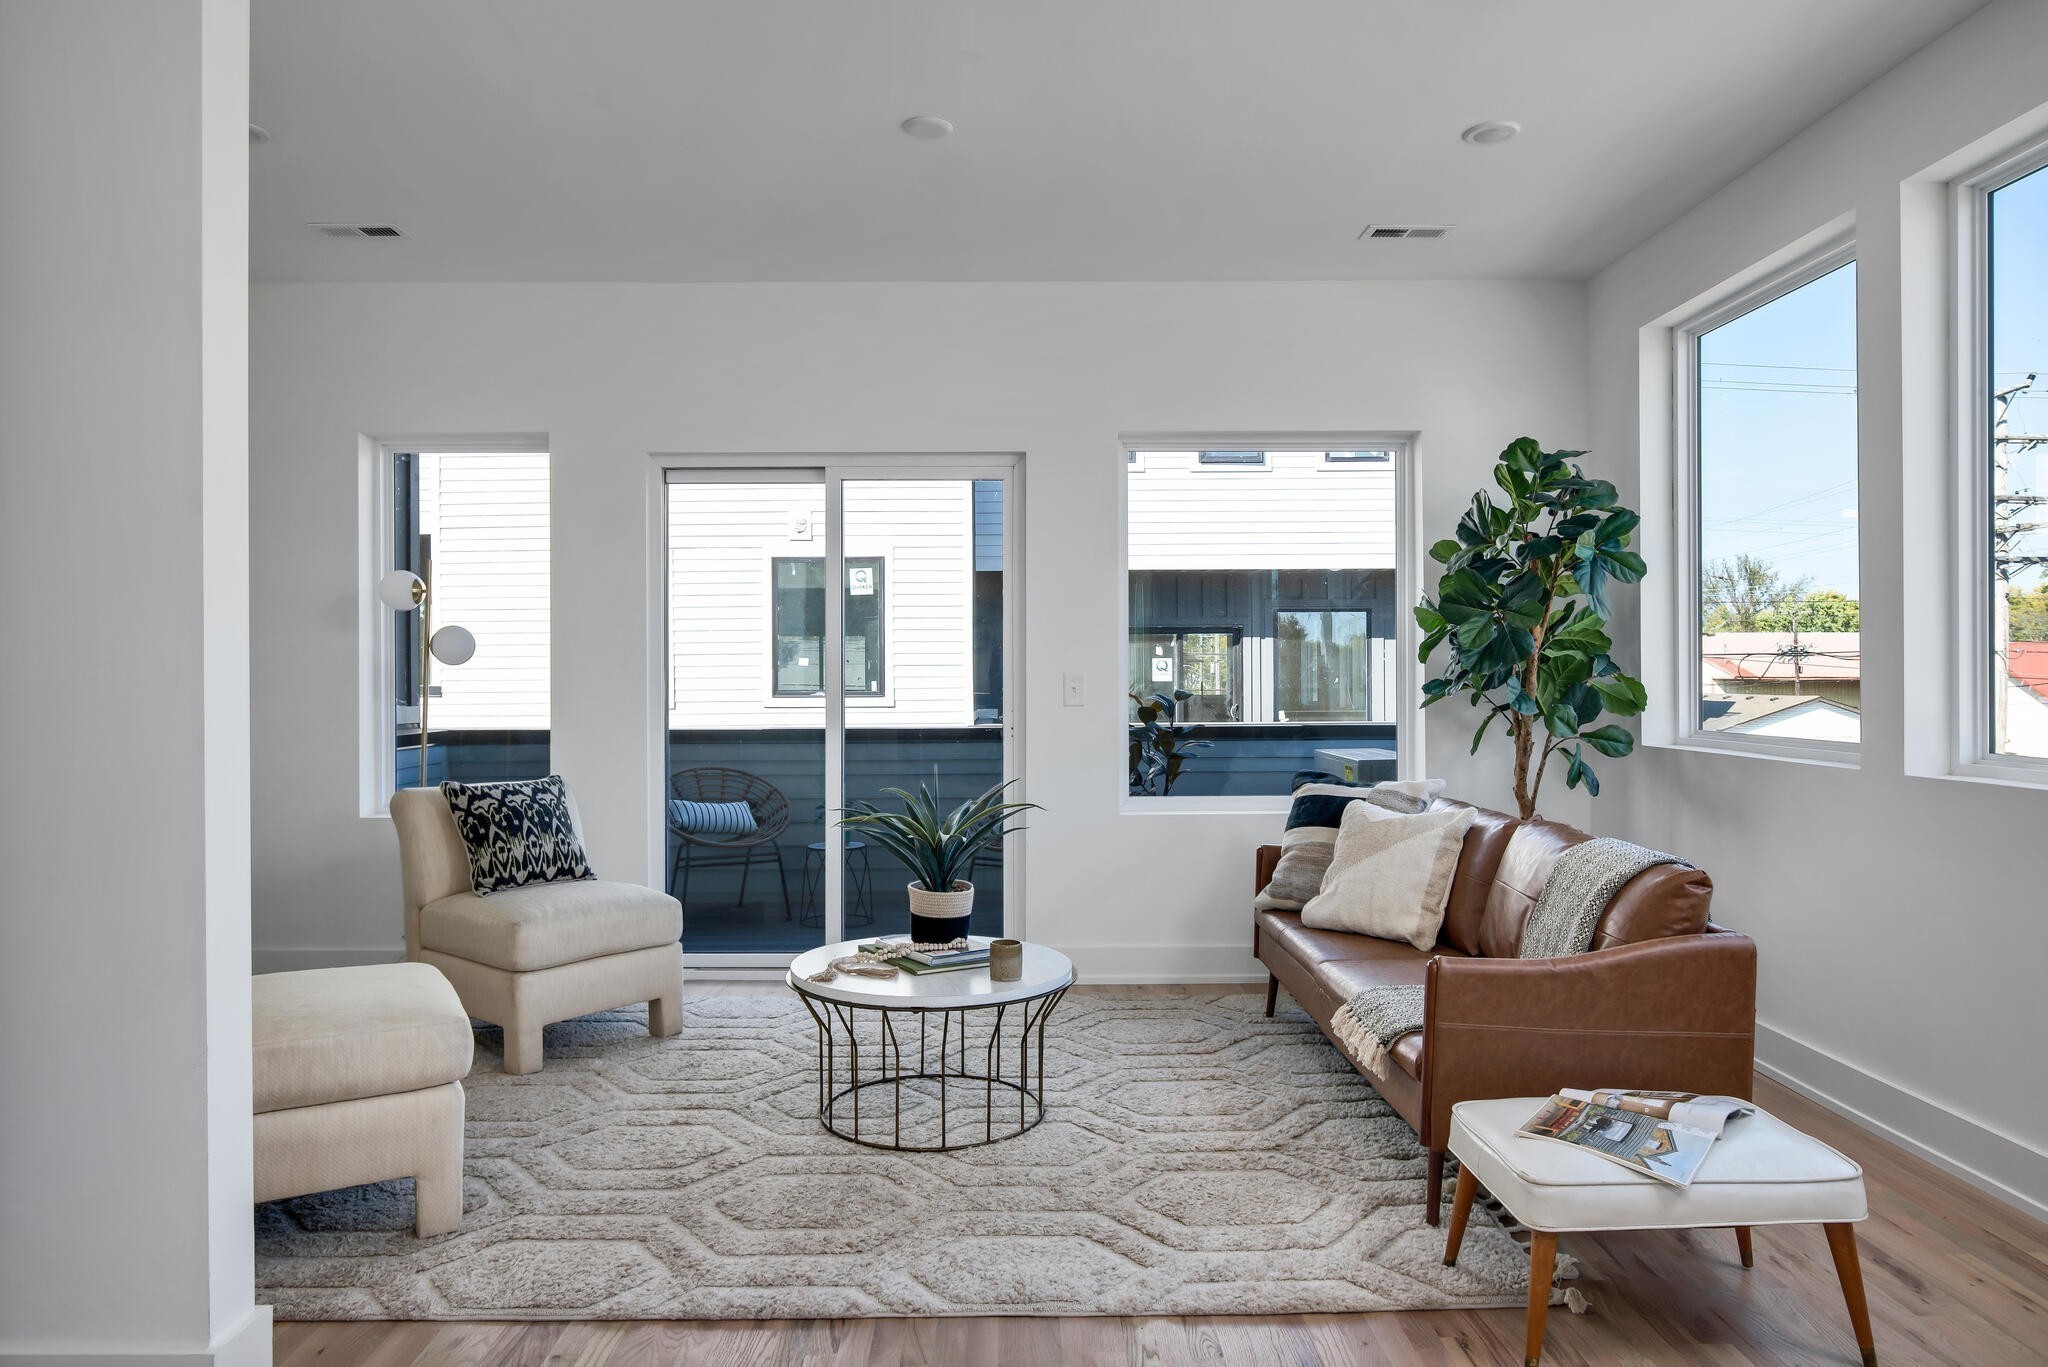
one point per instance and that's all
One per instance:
(1523, 607)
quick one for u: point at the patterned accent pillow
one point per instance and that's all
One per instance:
(711, 818)
(517, 833)
(1312, 824)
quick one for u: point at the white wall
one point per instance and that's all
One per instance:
(125, 1173)
(1899, 918)
(613, 372)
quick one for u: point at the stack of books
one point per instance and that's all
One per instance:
(942, 961)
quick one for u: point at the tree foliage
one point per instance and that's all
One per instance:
(1523, 607)
(1821, 610)
(1737, 593)
(2028, 614)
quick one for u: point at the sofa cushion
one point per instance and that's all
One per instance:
(341, 1034)
(1661, 901)
(545, 924)
(1532, 852)
(1390, 874)
(1406, 966)
(1478, 863)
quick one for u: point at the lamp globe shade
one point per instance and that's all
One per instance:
(400, 590)
(453, 645)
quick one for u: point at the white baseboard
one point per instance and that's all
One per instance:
(290, 960)
(1996, 1163)
(245, 1345)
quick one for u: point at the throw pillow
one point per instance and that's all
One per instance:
(711, 818)
(1319, 803)
(1390, 876)
(517, 833)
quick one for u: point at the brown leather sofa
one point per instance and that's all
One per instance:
(1664, 999)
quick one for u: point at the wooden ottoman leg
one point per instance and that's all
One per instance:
(1461, 1210)
(1542, 1265)
(1433, 1202)
(1744, 1246)
(1272, 993)
(1842, 1243)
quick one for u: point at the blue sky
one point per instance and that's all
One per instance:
(1778, 405)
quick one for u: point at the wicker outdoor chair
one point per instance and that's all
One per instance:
(698, 850)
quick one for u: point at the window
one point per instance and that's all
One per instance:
(2013, 465)
(1772, 389)
(1267, 611)
(473, 525)
(799, 605)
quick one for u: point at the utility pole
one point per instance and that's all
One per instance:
(2007, 534)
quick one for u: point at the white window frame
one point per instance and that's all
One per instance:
(376, 747)
(1970, 741)
(1830, 255)
(1408, 543)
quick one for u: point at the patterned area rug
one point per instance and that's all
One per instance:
(1195, 1158)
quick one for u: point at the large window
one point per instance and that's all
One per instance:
(1263, 616)
(1773, 463)
(2014, 486)
(473, 525)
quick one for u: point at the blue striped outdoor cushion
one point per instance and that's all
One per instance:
(712, 818)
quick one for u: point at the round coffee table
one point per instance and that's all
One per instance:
(944, 1005)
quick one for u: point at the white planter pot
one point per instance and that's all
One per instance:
(940, 917)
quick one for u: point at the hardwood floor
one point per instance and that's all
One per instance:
(1952, 1275)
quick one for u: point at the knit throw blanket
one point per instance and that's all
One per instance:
(1561, 923)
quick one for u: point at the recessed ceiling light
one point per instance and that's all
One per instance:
(926, 126)
(1492, 133)
(258, 134)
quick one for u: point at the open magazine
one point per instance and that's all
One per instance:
(1665, 1135)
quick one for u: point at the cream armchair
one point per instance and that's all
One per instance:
(546, 952)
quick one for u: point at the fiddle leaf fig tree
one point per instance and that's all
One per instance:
(1523, 607)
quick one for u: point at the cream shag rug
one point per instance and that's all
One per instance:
(1195, 1158)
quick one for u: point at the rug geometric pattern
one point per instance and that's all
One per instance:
(1196, 1158)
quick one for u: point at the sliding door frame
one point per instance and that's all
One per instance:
(834, 470)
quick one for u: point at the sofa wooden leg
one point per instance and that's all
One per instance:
(522, 1049)
(664, 1016)
(437, 1200)
(1542, 1266)
(1461, 1211)
(1744, 1246)
(1842, 1243)
(1272, 994)
(1434, 1201)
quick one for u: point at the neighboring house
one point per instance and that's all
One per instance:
(1823, 664)
(487, 517)
(1263, 583)
(1797, 718)
(2026, 698)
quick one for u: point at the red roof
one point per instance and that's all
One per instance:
(2027, 662)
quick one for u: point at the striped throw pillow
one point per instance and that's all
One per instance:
(711, 818)
(1312, 824)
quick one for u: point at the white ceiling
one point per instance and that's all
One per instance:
(1096, 139)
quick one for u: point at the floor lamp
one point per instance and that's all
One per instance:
(404, 591)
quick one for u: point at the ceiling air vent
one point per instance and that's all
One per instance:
(357, 229)
(1388, 232)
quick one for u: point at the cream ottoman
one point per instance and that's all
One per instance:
(358, 1078)
(1760, 1172)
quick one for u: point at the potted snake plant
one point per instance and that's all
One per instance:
(937, 847)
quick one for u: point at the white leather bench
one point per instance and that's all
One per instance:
(1760, 1172)
(358, 1078)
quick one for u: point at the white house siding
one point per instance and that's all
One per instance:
(722, 539)
(488, 516)
(1300, 512)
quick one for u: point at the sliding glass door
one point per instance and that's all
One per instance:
(834, 631)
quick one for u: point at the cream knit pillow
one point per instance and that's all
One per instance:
(1390, 876)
